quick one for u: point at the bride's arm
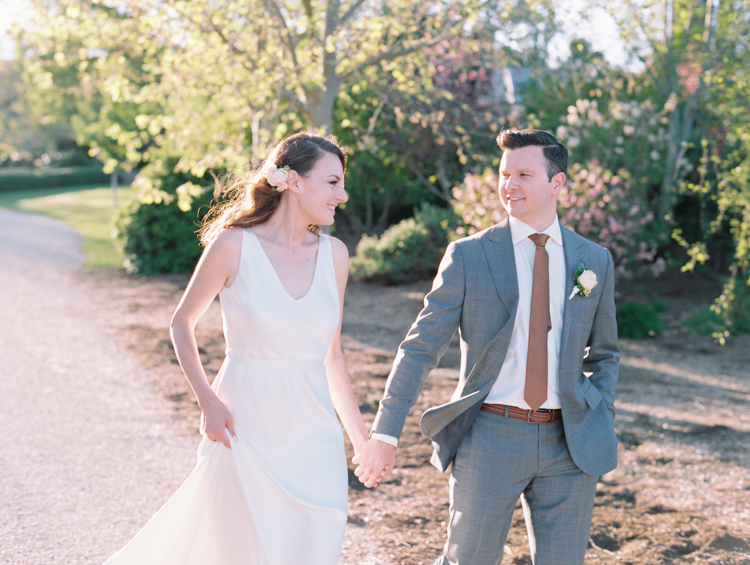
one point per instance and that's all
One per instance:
(217, 268)
(339, 382)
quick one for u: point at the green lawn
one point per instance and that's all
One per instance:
(87, 209)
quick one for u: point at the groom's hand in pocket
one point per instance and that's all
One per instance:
(374, 462)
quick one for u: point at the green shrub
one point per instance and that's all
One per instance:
(740, 310)
(158, 232)
(704, 322)
(160, 237)
(22, 178)
(408, 251)
(638, 321)
(729, 315)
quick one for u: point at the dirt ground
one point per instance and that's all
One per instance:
(681, 493)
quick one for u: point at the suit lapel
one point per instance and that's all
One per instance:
(498, 247)
(573, 251)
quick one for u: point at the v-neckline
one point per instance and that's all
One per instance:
(276, 274)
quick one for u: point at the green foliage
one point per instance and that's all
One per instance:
(158, 232)
(153, 81)
(408, 251)
(22, 178)
(380, 186)
(638, 321)
(28, 127)
(415, 129)
(159, 237)
(704, 322)
(740, 309)
(729, 315)
(733, 306)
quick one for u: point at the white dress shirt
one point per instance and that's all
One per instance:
(510, 384)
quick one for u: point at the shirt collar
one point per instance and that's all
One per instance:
(520, 231)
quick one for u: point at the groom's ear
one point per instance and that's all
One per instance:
(558, 181)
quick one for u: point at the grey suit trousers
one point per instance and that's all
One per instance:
(500, 460)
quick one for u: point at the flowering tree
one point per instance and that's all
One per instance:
(607, 208)
(601, 206)
(477, 203)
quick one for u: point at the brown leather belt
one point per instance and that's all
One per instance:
(541, 416)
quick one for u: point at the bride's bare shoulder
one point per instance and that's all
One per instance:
(225, 250)
(340, 254)
(339, 249)
(228, 240)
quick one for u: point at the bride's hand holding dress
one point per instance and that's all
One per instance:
(216, 270)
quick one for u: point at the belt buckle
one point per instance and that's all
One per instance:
(528, 416)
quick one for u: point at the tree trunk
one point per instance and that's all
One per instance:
(673, 148)
(321, 103)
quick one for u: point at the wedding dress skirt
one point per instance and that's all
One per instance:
(279, 496)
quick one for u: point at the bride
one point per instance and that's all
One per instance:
(270, 484)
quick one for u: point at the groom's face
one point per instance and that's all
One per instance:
(525, 189)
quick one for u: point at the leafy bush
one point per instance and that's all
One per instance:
(704, 322)
(408, 251)
(22, 178)
(731, 310)
(638, 321)
(158, 232)
(159, 237)
(740, 310)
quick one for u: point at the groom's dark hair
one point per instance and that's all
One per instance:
(554, 151)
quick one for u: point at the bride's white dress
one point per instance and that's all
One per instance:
(279, 496)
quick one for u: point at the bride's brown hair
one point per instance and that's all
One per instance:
(250, 200)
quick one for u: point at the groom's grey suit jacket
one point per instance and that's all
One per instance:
(476, 292)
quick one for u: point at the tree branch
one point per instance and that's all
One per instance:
(394, 54)
(236, 50)
(291, 97)
(285, 33)
(427, 184)
(351, 11)
(390, 55)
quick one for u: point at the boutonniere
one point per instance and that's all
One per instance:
(584, 281)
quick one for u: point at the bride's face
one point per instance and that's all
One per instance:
(322, 190)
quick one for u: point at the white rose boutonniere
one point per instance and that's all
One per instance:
(584, 281)
(277, 178)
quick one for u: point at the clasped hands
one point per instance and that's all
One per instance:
(374, 462)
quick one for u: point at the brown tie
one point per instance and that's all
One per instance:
(540, 324)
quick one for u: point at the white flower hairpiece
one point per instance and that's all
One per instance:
(277, 178)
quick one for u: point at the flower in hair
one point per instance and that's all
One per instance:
(277, 178)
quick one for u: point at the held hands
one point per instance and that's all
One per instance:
(216, 419)
(375, 462)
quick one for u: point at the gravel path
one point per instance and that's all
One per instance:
(87, 449)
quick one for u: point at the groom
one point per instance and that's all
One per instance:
(532, 416)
